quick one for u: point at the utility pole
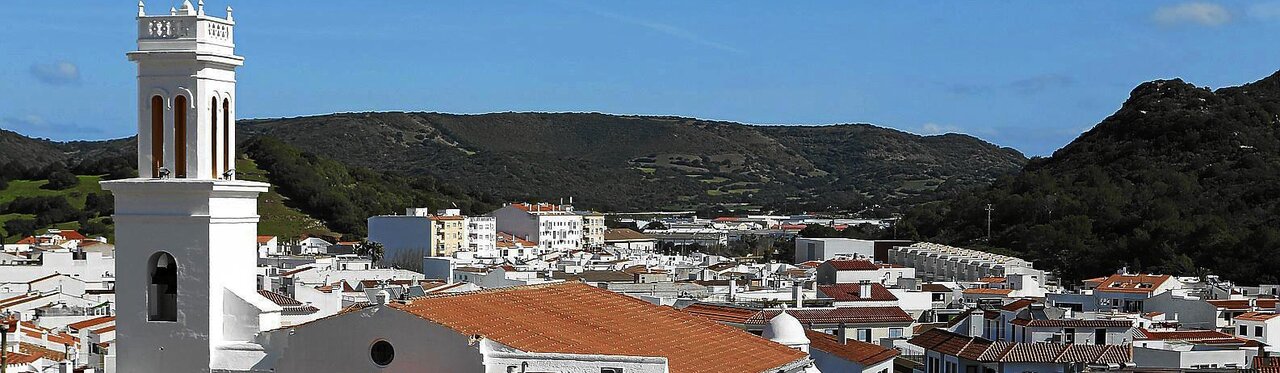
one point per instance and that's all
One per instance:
(4, 343)
(989, 209)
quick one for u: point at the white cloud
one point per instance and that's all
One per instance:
(57, 73)
(1265, 11)
(1205, 14)
(938, 129)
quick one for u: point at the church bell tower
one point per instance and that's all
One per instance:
(186, 228)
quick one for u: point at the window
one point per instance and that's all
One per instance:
(382, 353)
(180, 136)
(1257, 331)
(610, 370)
(1244, 331)
(213, 138)
(157, 135)
(226, 135)
(895, 332)
(162, 292)
(1100, 336)
(1069, 335)
(864, 335)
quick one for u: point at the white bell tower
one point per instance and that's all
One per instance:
(185, 229)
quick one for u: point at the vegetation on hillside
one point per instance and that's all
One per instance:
(1181, 180)
(344, 197)
(639, 163)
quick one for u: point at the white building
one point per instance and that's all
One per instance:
(1263, 327)
(627, 242)
(935, 262)
(187, 298)
(552, 227)
(269, 246)
(482, 233)
(824, 249)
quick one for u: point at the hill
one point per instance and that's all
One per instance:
(1180, 180)
(639, 163)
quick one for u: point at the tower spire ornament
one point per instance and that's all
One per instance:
(142, 9)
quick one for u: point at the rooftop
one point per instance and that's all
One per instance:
(852, 350)
(974, 348)
(853, 292)
(752, 317)
(576, 318)
(852, 265)
(1127, 283)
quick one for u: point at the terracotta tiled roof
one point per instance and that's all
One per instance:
(1071, 323)
(852, 265)
(105, 330)
(295, 271)
(1125, 283)
(1182, 335)
(935, 288)
(852, 350)
(624, 234)
(853, 292)
(70, 235)
(986, 351)
(1257, 316)
(596, 276)
(576, 318)
(91, 322)
(758, 317)
(265, 239)
(986, 291)
(1266, 364)
(1241, 304)
(1017, 305)
(20, 358)
(507, 240)
(279, 299)
(29, 240)
(992, 280)
(810, 264)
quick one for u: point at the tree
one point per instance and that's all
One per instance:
(20, 227)
(371, 249)
(61, 179)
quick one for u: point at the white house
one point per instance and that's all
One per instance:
(269, 246)
(626, 241)
(551, 227)
(482, 233)
(844, 271)
(1263, 327)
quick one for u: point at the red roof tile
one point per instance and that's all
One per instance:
(852, 350)
(91, 322)
(1072, 323)
(265, 239)
(986, 291)
(1182, 335)
(852, 265)
(1125, 283)
(70, 235)
(1241, 304)
(758, 317)
(1257, 316)
(853, 292)
(1017, 305)
(576, 318)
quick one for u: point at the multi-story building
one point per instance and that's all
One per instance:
(935, 262)
(482, 233)
(551, 227)
(448, 234)
(592, 228)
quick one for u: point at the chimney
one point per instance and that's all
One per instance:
(797, 293)
(842, 334)
(733, 289)
(864, 289)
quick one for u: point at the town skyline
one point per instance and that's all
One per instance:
(1062, 72)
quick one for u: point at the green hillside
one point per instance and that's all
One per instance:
(1180, 180)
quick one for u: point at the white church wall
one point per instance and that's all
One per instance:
(341, 344)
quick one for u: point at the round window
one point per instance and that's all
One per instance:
(382, 353)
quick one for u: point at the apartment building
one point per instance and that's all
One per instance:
(551, 227)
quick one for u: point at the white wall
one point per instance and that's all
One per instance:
(828, 248)
(403, 238)
(341, 344)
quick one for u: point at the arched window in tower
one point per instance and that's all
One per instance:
(157, 135)
(213, 138)
(180, 136)
(162, 291)
(226, 135)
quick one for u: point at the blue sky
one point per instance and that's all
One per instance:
(1031, 75)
